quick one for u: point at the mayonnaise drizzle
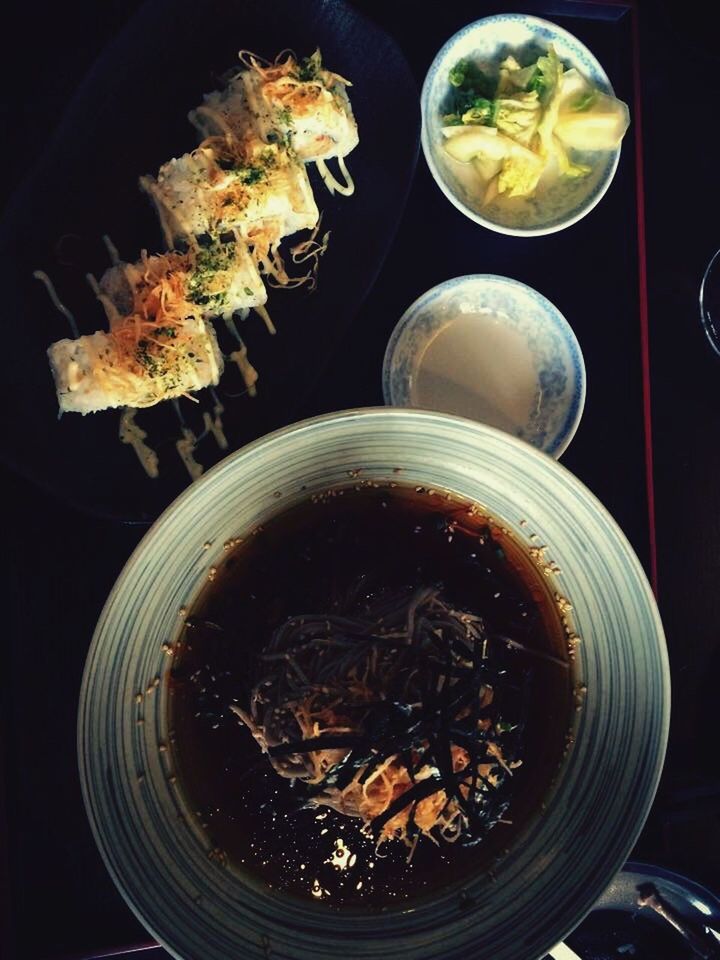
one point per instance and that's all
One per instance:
(112, 250)
(262, 312)
(331, 182)
(45, 279)
(134, 435)
(185, 446)
(247, 370)
(240, 356)
(111, 311)
(213, 423)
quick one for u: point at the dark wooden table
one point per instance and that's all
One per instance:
(59, 899)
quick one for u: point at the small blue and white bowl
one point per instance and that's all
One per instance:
(558, 202)
(493, 350)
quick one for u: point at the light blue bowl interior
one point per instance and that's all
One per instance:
(555, 358)
(487, 42)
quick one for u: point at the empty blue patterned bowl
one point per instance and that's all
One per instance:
(494, 350)
(558, 202)
(158, 851)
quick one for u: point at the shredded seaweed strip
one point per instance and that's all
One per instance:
(392, 714)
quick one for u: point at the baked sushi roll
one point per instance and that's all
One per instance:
(295, 102)
(219, 279)
(161, 349)
(102, 370)
(301, 102)
(219, 189)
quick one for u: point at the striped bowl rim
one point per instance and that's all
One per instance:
(159, 856)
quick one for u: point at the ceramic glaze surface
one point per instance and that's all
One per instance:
(164, 864)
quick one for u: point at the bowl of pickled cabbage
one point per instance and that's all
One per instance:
(521, 127)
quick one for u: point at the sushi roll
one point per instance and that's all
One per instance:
(220, 189)
(302, 103)
(218, 278)
(159, 349)
(104, 370)
(223, 279)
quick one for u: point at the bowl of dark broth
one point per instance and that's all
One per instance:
(327, 567)
(384, 681)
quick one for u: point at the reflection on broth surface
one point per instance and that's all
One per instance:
(372, 696)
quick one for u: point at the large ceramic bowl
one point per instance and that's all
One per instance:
(563, 201)
(158, 854)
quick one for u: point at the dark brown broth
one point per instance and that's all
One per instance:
(318, 557)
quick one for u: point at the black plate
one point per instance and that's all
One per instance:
(129, 116)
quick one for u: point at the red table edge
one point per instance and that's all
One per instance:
(632, 7)
(643, 296)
